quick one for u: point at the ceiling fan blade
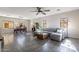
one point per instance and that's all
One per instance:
(43, 13)
(37, 13)
(46, 10)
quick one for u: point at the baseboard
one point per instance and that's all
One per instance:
(73, 38)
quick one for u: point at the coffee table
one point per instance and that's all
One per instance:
(42, 36)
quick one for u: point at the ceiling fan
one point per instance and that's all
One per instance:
(40, 10)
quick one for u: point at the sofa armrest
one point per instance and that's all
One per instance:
(56, 36)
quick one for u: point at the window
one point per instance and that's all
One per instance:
(44, 24)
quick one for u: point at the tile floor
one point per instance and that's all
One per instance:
(25, 42)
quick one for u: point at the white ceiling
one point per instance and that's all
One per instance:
(26, 12)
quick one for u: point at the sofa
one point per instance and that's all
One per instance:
(55, 33)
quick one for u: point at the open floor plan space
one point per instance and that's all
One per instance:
(39, 29)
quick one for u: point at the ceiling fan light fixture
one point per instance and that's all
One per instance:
(41, 10)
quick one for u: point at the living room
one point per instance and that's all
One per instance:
(55, 29)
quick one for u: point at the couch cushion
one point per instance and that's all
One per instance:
(51, 29)
(59, 31)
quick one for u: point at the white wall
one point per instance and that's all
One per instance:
(73, 18)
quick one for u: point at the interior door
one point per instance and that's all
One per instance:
(28, 25)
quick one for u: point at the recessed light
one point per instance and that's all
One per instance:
(58, 9)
